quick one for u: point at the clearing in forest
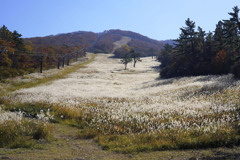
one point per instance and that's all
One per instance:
(133, 110)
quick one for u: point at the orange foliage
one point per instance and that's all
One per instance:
(220, 61)
(221, 57)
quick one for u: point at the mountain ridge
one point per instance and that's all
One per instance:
(101, 42)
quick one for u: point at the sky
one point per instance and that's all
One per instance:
(156, 19)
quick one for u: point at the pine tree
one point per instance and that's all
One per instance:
(186, 49)
(190, 34)
(165, 55)
(201, 40)
(219, 37)
(5, 34)
(233, 40)
(18, 41)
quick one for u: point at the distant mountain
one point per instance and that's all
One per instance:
(170, 41)
(71, 39)
(104, 42)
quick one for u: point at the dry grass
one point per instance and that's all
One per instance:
(133, 110)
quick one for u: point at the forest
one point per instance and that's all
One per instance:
(199, 53)
(19, 57)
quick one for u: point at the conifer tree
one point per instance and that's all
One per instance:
(18, 41)
(5, 34)
(219, 36)
(165, 55)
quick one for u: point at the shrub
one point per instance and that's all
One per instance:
(21, 134)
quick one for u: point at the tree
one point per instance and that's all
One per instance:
(231, 31)
(209, 44)
(5, 60)
(18, 41)
(201, 40)
(198, 53)
(235, 57)
(185, 50)
(5, 34)
(5, 48)
(126, 59)
(235, 17)
(189, 35)
(219, 37)
(165, 55)
(29, 46)
(135, 56)
(221, 62)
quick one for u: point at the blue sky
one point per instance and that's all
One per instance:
(157, 19)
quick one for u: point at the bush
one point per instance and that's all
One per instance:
(21, 134)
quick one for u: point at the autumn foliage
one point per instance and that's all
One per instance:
(18, 57)
(102, 42)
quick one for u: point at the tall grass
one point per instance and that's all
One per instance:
(134, 112)
(17, 131)
(48, 79)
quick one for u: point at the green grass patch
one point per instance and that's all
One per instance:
(146, 142)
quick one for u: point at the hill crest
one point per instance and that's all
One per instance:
(103, 42)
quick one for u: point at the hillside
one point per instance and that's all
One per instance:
(70, 39)
(104, 42)
(114, 107)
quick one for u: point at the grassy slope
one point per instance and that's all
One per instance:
(15, 86)
(67, 146)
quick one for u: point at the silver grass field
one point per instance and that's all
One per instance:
(135, 110)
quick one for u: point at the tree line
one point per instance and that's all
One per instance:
(18, 57)
(199, 53)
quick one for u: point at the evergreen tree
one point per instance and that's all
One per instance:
(18, 41)
(235, 17)
(209, 42)
(233, 41)
(5, 34)
(219, 37)
(165, 55)
(189, 35)
(198, 53)
(186, 49)
(201, 40)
